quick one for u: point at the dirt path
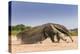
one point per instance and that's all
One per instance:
(46, 45)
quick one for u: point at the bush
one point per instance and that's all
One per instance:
(18, 28)
(74, 33)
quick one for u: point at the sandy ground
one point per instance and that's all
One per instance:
(46, 45)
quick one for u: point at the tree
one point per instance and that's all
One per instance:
(20, 27)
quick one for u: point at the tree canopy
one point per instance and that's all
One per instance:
(19, 27)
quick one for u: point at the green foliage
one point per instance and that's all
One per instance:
(18, 28)
(14, 33)
(74, 32)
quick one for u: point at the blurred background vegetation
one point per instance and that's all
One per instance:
(74, 32)
(18, 28)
